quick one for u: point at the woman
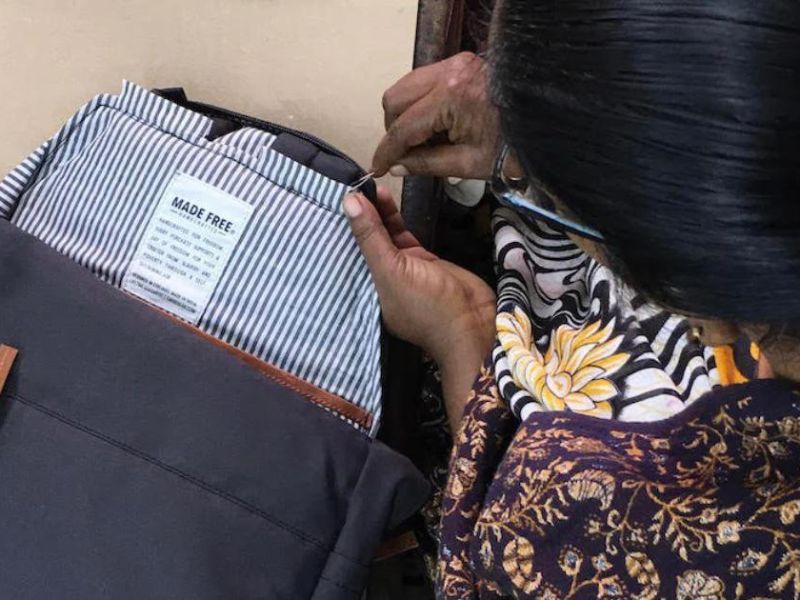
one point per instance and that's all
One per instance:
(597, 454)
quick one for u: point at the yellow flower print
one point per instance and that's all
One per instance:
(659, 444)
(518, 564)
(564, 467)
(584, 445)
(789, 512)
(728, 532)
(574, 372)
(749, 561)
(548, 593)
(610, 587)
(571, 561)
(461, 479)
(698, 585)
(709, 515)
(643, 570)
(600, 563)
(592, 484)
(789, 426)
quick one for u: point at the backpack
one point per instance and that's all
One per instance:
(200, 365)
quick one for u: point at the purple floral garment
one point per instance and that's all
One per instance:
(704, 505)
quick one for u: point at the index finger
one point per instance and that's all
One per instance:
(415, 126)
(410, 88)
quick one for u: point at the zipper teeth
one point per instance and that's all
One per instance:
(273, 128)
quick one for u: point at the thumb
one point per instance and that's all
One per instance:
(371, 234)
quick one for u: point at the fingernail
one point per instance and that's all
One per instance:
(399, 171)
(352, 206)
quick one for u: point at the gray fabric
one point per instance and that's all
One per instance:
(139, 461)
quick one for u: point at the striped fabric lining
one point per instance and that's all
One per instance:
(296, 293)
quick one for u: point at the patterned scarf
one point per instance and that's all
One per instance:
(572, 337)
(553, 504)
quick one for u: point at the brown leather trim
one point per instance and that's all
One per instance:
(311, 392)
(396, 546)
(305, 389)
(7, 356)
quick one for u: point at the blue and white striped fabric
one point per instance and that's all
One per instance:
(296, 292)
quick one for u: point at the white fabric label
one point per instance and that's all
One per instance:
(186, 246)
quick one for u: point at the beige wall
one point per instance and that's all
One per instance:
(318, 65)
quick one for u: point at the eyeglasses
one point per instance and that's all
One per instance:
(509, 193)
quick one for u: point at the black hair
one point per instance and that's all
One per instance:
(673, 127)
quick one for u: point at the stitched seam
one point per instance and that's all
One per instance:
(48, 157)
(339, 584)
(38, 181)
(284, 379)
(215, 151)
(185, 476)
(50, 151)
(247, 125)
(364, 421)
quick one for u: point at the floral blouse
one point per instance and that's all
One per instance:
(703, 505)
(605, 454)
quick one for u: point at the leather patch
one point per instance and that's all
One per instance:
(400, 545)
(7, 356)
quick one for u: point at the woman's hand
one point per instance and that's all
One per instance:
(434, 304)
(449, 97)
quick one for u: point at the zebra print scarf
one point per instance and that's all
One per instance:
(572, 337)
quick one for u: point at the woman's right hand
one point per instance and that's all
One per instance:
(449, 97)
(432, 303)
(425, 300)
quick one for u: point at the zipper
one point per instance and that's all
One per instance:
(273, 128)
(329, 401)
